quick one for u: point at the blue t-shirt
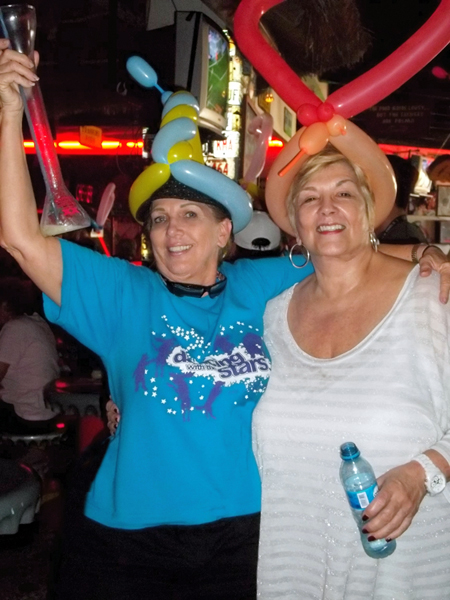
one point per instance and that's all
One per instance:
(186, 374)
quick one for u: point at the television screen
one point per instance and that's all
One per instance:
(218, 61)
(202, 67)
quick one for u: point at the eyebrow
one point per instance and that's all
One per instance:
(342, 181)
(184, 205)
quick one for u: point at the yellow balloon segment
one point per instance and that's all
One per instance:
(180, 151)
(152, 178)
(184, 110)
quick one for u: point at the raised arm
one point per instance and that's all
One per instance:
(20, 235)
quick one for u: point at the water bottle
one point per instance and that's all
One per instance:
(360, 485)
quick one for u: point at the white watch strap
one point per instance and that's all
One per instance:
(434, 478)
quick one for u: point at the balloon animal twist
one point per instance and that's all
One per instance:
(177, 152)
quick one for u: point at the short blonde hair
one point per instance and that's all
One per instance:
(315, 163)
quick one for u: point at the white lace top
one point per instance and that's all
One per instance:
(390, 395)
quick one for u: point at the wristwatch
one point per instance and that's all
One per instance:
(435, 481)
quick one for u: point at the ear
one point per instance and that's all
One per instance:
(225, 228)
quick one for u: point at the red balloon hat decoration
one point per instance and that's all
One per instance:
(327, 121)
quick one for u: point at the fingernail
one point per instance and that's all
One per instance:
(389, 539)
(365, 531)
(365, 518)
(371, 538)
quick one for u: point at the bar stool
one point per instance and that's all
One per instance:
(31, 449)
(20, 491)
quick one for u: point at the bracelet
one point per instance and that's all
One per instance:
(428, 247)
(414, 258)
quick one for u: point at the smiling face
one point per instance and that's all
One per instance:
(186, 239)
(331, 215)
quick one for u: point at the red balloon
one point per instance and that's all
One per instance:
(396, 69)
(363, 92)
(307, 114)
(265, 59)
(325, 112)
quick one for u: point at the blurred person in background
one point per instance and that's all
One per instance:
(396, 229)
(28, 361)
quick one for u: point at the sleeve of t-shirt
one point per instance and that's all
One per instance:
(268, 277)
(92, 288)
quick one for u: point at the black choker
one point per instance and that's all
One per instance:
(194, 290)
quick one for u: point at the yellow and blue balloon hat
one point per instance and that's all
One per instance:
(178, 170)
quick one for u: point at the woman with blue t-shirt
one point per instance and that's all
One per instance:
(173, 510)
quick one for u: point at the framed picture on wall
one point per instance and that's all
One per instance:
(443, 201)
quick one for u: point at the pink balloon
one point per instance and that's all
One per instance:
(440, 73)
(106, 204)
(363, 92)
(261, 127)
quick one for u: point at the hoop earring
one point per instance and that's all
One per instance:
(306, 255)
(374, 241)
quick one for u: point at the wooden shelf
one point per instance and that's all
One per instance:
(413, 218)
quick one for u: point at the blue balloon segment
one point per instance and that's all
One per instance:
(165, 96)
(180, 98)
(142, 72)
(178, 130)
(217, 186)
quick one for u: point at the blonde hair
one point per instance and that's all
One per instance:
(315, 163)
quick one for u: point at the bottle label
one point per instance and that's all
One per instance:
(361, 499)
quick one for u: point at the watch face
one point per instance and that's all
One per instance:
(437, 483)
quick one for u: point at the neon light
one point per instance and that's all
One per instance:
(60, 425)
(68, 144)
(72, 145)
(112, 144)
(104, 246)
(276, 143)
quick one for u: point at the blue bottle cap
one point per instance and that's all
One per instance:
(349, 451)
